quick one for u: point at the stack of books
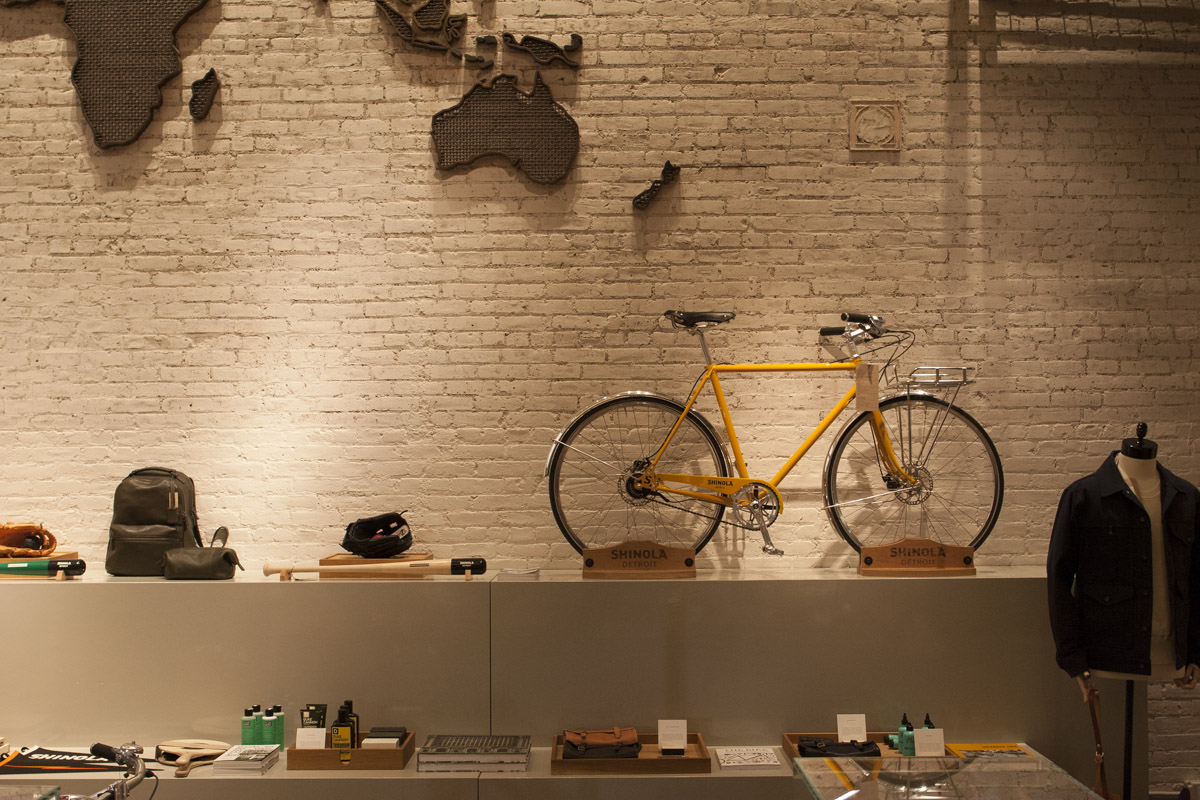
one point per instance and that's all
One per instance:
(246, 759)
(448, 753)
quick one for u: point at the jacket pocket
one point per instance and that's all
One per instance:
(1107, 613)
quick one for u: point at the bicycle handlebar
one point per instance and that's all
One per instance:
(859, 324)
(102, 750)
(129, 757)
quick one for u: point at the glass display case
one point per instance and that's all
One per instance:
(1031, 777)
(28, 792)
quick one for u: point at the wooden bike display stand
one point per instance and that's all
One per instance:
(916, 558)
(639, 560)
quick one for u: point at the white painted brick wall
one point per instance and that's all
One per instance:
(289, 303)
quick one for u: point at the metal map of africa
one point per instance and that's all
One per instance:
(127, 53)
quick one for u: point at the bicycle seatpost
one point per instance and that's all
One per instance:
(699, 331)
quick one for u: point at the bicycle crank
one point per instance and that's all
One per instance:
(756, 506)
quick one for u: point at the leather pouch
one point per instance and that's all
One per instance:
(814, 747)
(613, 742)
(200, 563)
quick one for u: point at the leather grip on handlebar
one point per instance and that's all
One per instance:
(101, 750)
(833, 331)
(863, 318)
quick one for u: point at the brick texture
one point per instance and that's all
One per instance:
(288, 302)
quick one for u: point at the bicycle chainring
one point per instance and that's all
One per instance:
(759, 497)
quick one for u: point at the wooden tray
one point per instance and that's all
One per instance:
(695, 760)
(879, 737)
(343, 559)
(359, 758)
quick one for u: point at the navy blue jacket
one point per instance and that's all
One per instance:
(1100, 574)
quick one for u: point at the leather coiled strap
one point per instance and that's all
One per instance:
(1100, 787)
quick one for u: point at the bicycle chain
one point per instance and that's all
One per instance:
(723, 519)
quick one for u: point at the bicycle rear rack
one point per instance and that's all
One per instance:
(943, 382)
(937, 377)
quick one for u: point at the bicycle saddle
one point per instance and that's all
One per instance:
(690, 319)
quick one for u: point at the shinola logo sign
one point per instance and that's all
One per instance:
(641, 554)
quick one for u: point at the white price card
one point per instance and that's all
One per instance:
(929, 742)
(310, 738)
(672, 736)
(852, 727)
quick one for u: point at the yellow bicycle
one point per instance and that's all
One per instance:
(640, 466)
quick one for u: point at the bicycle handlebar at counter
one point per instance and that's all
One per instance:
(128, 757)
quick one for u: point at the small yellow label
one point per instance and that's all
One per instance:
(341, 737)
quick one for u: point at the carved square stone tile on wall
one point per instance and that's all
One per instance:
(875, 125)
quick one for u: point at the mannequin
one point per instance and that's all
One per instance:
(1123, 538)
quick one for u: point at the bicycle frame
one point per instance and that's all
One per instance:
(651, 480)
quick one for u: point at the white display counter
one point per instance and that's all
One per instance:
(744, 657)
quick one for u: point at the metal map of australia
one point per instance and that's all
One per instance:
(532, 131)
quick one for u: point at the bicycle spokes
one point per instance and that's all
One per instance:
(947, 487)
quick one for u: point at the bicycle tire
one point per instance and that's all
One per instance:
(591, 462)
(962, 482)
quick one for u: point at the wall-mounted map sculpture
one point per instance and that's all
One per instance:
(545, 52)
(533, 132)
(127, 53)
(433, 28)
(670, 173)
(204, 91)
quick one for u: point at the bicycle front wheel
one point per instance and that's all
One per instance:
(959, 482)
(594, 462)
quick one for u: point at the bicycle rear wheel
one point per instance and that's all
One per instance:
(960, 483)
(595, 459)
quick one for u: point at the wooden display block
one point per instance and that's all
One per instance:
(791, 750)
(650, 761)
(328, 758)
(57, 555)
(916, 558)
(349, 559)
(639, 560)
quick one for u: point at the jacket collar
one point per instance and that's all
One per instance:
(1111, 482)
